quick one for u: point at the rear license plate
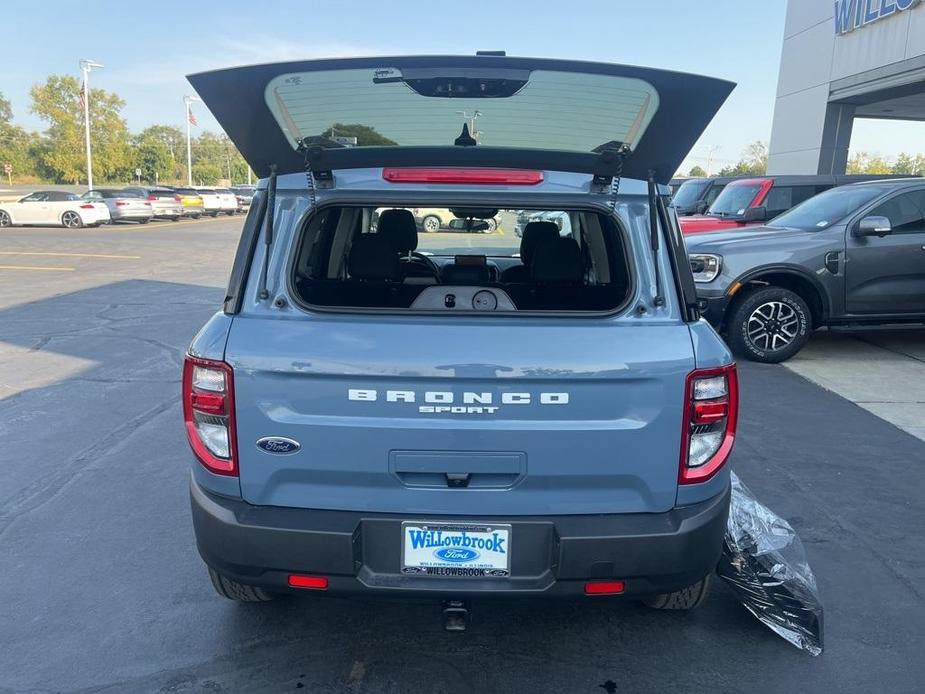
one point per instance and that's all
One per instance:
(473, 550)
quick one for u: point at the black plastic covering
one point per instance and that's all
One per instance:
(764, 563)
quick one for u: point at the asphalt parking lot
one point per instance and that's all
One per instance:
(102, 589)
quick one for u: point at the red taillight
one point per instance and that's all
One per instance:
(208, 411)
(484, 177)
(711, 409)
(604, 587)
(88, 206)
(176, 198)
(152, 197)
(310, 582)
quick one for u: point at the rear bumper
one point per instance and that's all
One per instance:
(551, 556)
(131, 214)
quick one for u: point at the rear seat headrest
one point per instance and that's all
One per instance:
(399, 228)
(535, 234)
(558, 262)
(373, 257)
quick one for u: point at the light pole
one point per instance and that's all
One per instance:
(85, 66)
(189, 149)
(710, 158)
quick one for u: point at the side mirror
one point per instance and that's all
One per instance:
(701, 207)
(874, 226)
(755, 214)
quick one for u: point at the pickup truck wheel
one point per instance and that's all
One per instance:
(688, 598)
(769, 325)
(239, 592)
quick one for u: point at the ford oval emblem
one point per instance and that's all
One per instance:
(278, 445)
(457, 555)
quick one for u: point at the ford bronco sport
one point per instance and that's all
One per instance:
(381, 411)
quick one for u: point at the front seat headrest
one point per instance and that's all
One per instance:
(372, 257)
(558, 262)
(536, 234)
(399, 228)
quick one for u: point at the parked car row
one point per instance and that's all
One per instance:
(851, 255)
(132, 204)
(711, 204)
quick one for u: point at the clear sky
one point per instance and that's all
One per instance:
(148, 48)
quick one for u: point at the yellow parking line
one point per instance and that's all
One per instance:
(38, 268)
(73, 255)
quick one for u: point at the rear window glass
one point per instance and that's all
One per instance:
(532, 109)
(436, 259)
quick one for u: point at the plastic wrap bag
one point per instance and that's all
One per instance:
(764, 563)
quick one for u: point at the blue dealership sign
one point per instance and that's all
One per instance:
(853, 14)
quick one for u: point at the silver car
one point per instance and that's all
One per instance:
(123, 206)
(165, 203)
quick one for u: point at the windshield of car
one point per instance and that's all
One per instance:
(827, 208)
(734, 200)
(689, 193)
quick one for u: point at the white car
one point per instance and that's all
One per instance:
(214, 202)
(53, 208)
(228, 199)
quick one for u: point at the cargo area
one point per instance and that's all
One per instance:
(487, 260)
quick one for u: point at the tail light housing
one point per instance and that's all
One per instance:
(509, 177)
(208, 411)
(152, 197)
(711, 410)
(176, 198)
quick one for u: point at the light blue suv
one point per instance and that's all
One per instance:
(377, 411)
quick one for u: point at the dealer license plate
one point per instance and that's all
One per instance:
(456, 550)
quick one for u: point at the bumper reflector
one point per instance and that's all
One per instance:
(309, 582)
(604, 587)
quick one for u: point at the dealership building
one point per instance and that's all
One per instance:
(841, 60)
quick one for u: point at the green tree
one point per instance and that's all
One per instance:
(174, 140)
(365, 135)
(153, 157)
(867, 163)
(62, 154)
(697, 172)
(17, 146)
(754, 162)
(6, 110)
(909, 164)
(206, 173)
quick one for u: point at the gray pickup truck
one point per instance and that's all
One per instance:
(854, 255)
(385, 412)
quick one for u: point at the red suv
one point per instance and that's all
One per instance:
(749, 201)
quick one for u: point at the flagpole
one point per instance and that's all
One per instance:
(189, 149)
(85, 67)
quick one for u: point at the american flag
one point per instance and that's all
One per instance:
(190, 116)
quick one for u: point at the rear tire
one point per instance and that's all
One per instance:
(769, 325)
(144, 221)
(686, 599)
(492, 226)
(238, 592)
(431, 224)
(72, 220)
